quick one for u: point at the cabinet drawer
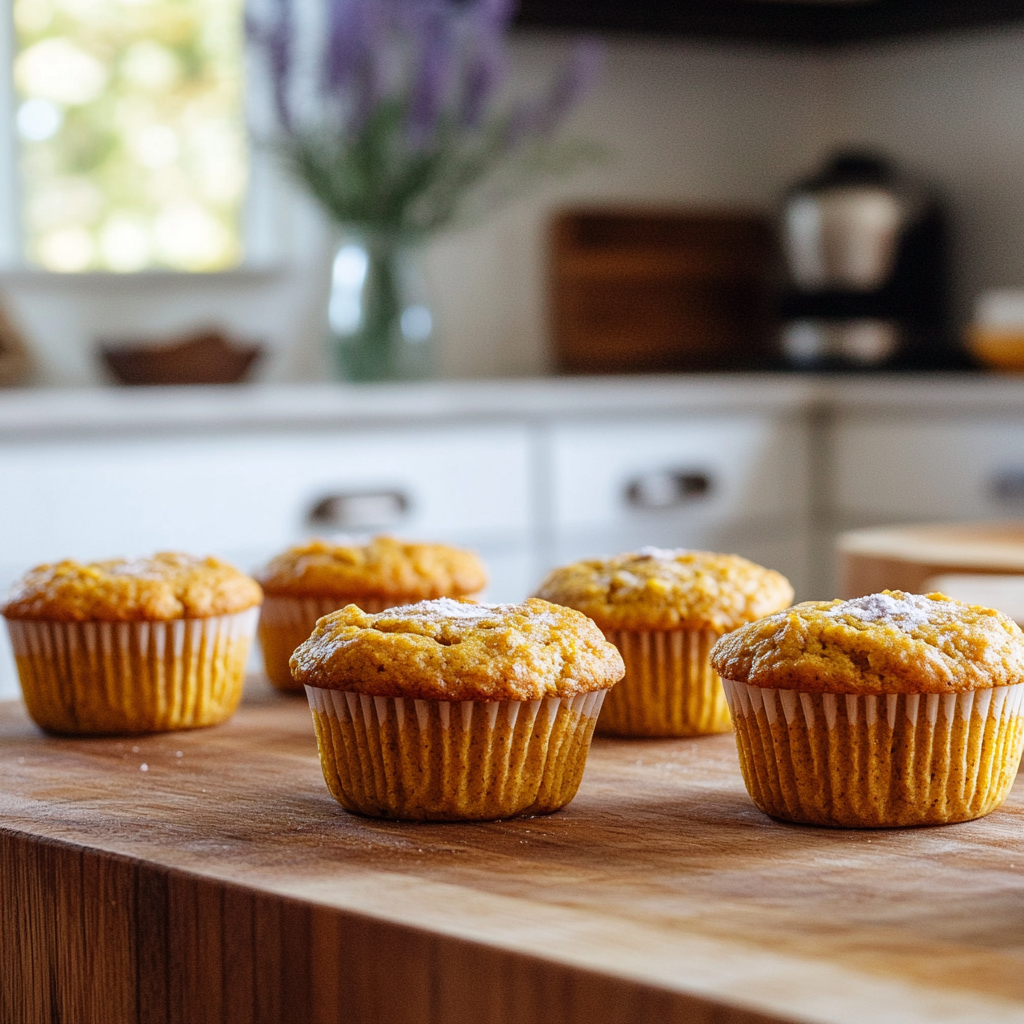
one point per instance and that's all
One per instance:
(238, 494)
(648, 473)
(929, 469)
(783, 550)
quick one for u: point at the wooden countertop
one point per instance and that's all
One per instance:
(222, 883)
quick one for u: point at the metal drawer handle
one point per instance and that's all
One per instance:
(1008, 487)
(668, 489)
(358, 510)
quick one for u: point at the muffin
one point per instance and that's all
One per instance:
(310, 580)
(453, 711)
(664, 610)
(888, 710)
(132, 645)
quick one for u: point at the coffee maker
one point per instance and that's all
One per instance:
(865, 250)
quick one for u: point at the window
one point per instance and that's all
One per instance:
(131, 128)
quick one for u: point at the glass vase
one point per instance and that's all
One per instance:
(381, 321)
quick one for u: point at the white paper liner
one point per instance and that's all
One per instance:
(465, 760)
(875, 761)
(670, 688)
(109, 677)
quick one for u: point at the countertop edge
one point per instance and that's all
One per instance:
(24, 412)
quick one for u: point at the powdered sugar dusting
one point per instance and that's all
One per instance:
(445, 609)
(662, 554)
(906, 612)
(448, 608)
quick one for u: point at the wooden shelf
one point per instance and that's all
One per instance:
(225, 885)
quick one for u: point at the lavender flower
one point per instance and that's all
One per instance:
(429, 84)
(406, 120)
(352, 56)
(487, 64)
(576, 78)
(276, 38)
(345, 51)
(484, 73)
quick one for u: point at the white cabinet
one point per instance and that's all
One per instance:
(246, 496)
(718, 482)
(920, 467)
(531, 474)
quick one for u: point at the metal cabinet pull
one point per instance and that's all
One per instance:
(667, 488)
(358, 510)
(1007, 487)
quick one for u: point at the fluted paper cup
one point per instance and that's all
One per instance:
(285, 622)
(130, 677)
(670, 688)
(393, 757)
(877, 761)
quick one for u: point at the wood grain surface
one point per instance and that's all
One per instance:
(640, 291)
(907, 557)
(223, 884)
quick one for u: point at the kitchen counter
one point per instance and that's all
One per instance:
(29, 411)
(209, 876)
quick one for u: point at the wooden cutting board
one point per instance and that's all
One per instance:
(640, 291)
(907, 557)
(223, 884)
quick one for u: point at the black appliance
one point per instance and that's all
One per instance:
(865, 249)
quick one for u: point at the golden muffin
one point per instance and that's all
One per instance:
(887, 710)
(454, 711)
(132, 645)
(308, 581)
(664, 610)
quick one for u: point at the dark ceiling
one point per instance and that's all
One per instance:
(774, 21)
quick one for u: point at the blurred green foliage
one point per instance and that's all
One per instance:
(133, 146)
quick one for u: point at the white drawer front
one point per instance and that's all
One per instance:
(246, 497)
(785, 551)
(931, 469)
(234, 494)
(649, 473)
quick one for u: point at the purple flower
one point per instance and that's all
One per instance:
(276, 38)
(539, 117)
(433, 73)
(406, 112)
(344, 48)
(485, 71)
(356, 30)
(575, 78)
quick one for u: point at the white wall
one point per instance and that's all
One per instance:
(683, 123)
(953, 108)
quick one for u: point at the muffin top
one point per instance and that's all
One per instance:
(458, 650)
(383, 567)
(167, 586)
(884, 643)
(654, 588)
